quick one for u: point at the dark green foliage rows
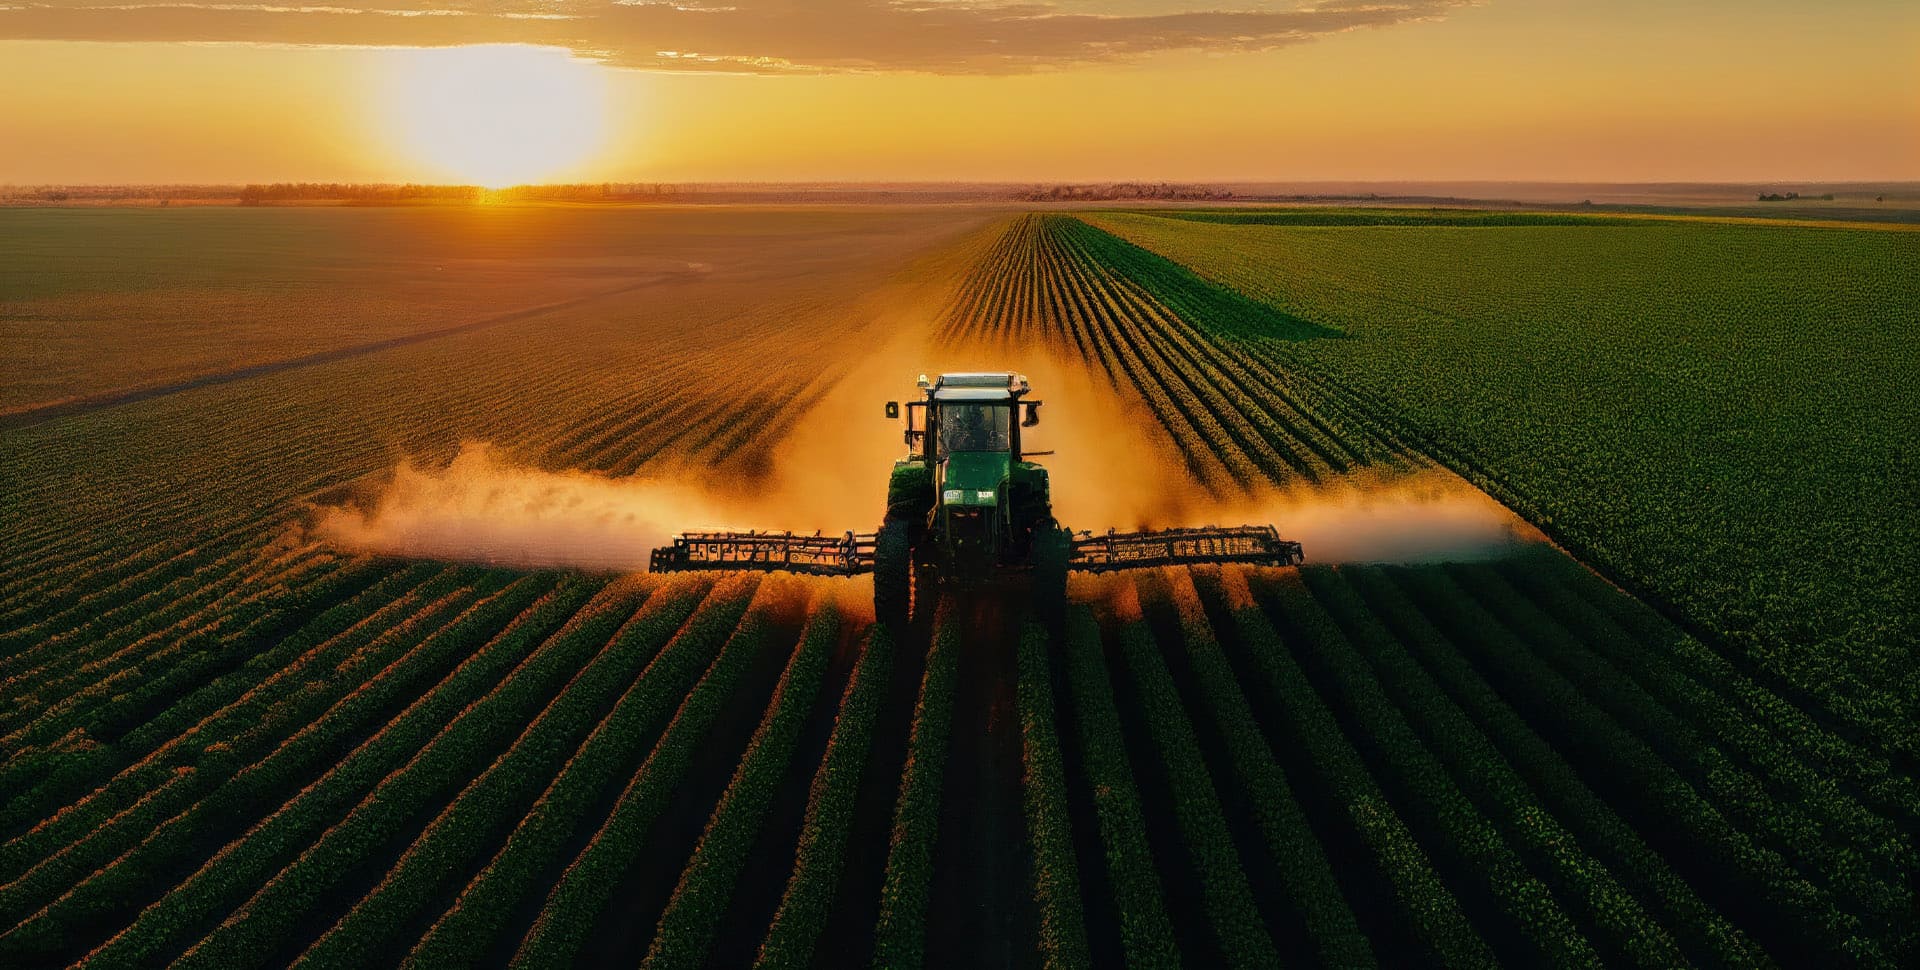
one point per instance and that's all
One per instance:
(228, 744)
(1718, 415)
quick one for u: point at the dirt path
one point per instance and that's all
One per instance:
(981, 913)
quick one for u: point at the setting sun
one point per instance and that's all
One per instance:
(495, 115)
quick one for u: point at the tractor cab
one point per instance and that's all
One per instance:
(968, 414)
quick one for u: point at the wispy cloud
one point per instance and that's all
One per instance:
(757, 36)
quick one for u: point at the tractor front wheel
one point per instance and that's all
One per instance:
(910, 496)
(893, 573)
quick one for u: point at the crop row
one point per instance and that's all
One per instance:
(1146, 934)
(1821, 832)
(1636, 389)
(1431, 911)
(1765, 757)
(706, 886)
(1056, 888)
(492, 802)
(425, 638)
(1237, 925)
(1433, 680)
(1498, 822)
(1395, 755)
(1814, 818)
(116, 702)
(1237, 423)
(474, 919)
(501, 675)
(186, 736)
(1301, 861)
(102, 627)
(40, 784)
(584, 889)
(900, 936)
(821, 853)
(1798, 916)
(462, 750)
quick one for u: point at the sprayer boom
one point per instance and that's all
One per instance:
(851, 554)
(844, 555)
(968, 504)
(1252, 544)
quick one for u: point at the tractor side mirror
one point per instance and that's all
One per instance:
(893, 409)
(1033, 415)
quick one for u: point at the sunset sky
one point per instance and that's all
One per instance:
(98, 91)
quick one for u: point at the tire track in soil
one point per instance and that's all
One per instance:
(980, 912)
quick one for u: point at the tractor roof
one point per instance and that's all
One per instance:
(979, 386)
(972, 394)
(1001, 380)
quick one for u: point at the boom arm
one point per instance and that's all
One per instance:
(851, 554)
(818, 555)
(1255, 544)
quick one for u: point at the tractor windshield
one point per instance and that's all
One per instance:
(975, 427)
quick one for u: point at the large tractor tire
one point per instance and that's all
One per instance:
(910, 496)
(893, 573)
(1052, 548)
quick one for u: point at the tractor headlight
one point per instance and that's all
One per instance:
(983, 495)
(951, 496)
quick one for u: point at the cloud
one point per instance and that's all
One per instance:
(752, 36)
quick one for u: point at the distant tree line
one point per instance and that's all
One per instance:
(360, 193)
(348, 192)
(598, 192)
(1790, 196)
(1122, 190)
(82, 194)
(575, 192)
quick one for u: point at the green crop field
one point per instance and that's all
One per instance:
(1681, 735)
(1721, 416)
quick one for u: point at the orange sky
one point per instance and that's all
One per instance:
(856, 90)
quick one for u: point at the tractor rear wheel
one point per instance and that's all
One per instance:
(893, 573)
(1052, 548)
(910, 496)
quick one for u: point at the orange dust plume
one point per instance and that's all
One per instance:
(483, 508)
(1111, 462)
(1113, 466)
(1426, 515)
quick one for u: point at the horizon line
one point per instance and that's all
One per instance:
(965, 183)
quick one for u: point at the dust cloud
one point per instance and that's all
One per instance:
(1426, 515)
(1113, 467)
(485, 508)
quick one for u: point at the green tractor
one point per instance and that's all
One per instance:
(967, 507)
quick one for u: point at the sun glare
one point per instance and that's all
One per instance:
(496, 115)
